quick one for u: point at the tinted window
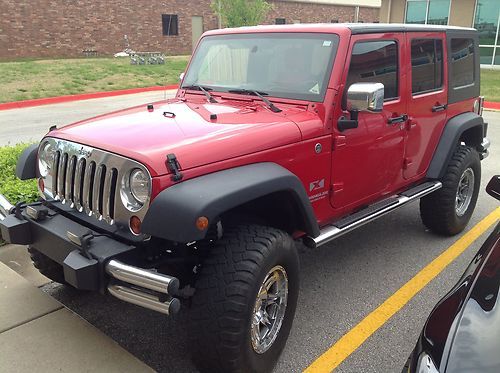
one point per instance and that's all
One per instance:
(170, 24)
(426, 65)
(416, 11)
(462, 62)
(486, 22)
(376, 62)
(430, 12)
(438, 12)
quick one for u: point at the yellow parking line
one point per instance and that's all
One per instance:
(354, 338)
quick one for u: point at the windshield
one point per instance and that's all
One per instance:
(287, 65)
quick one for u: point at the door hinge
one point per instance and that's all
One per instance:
(339, 142)
(407, 163)
(337, 187)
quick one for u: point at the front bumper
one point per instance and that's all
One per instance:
(90, 261)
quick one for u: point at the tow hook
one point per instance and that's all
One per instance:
(83, 242)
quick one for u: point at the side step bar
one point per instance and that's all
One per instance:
(143, 278)
(370, 213)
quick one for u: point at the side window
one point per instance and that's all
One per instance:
(375, 62)
(426, 65)
(462, 62)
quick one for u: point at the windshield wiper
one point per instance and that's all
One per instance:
(271, 106)
(205, 91)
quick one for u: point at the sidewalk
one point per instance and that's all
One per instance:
(37, 333)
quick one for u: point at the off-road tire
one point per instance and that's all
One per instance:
(438, 209)
(47, 266)
(226, 292)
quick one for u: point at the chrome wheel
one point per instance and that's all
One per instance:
(465, 191)
(269, 309)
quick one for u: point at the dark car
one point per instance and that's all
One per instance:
(462, 333)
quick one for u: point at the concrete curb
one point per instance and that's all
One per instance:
(78, 97)
(492, 105)
(37, 333)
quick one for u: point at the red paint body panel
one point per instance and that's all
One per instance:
(425, 126)
(375, 148)
(240, 129)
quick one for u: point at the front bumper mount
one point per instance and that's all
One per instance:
(90, 260)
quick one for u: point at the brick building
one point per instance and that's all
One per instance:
(64, 28)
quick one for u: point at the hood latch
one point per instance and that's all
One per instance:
(174, 167)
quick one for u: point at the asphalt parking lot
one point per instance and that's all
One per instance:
(342, 282)
(30, 124)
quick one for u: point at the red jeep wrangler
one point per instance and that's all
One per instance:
(277, 136)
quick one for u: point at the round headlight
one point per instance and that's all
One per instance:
(139, 186)
(45, 159)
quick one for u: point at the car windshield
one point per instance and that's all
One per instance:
(286, 65)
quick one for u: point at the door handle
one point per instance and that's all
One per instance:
(437, 108)
(401, 119)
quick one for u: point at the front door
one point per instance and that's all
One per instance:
(427, 112)
(197, 29)
(367, 160)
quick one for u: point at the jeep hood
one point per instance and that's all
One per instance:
(187, 129)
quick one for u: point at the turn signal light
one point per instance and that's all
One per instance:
(202, 223)
(135, 225)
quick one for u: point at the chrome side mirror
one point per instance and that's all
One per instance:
(365, 97)
(181, 76)
(361, 97)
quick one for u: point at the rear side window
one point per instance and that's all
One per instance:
(375, 62)
(426, 65)
(462, 62)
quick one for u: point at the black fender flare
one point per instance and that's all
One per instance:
(452, 133)
(26, 164)
(173, 213)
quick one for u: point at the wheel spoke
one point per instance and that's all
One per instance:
(272, 310)
(266, 320)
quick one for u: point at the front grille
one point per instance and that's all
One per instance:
(86, 186)
(90, 180)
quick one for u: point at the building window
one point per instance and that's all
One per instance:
(280, 21)
(487, 21)
(335, 21)
(426, 65)
(376, 62)
(170, 24)
(428, 12)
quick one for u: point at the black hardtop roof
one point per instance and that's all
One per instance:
(353, 28)
(371, 28)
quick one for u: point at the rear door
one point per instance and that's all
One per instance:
(427, 109)
(367, 161)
